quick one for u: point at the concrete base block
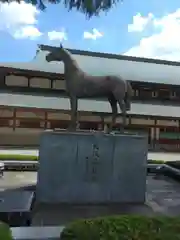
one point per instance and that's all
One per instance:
(92, 168)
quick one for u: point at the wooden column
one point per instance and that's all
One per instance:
(14, 119)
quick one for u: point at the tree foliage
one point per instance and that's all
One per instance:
(88, 7)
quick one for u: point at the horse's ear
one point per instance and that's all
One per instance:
(39, 46)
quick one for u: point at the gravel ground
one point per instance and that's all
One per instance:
(17, 179)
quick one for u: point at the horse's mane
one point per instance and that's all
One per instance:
(74, 62)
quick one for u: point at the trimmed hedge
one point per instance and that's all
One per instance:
(5, 232)
(124, 228)
(18, 157)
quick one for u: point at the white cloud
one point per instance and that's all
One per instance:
(27, 32)
(54, 35)
(19, 19)
(165, 43)
(139, 22)
(94, 35)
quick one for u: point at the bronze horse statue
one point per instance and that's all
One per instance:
(82, 85)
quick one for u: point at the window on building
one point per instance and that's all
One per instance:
(42, 124)
(169, 129)
(59, 124)
(154, 94)
(5, 122)
(145, 93)
(88, 125)
(172, 94)
(137, 93)
(28, 123)
(133, 90)
(48, 124)
(164, 94)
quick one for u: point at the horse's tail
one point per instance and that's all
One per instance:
(128, 95)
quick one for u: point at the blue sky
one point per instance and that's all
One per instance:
(113, 29)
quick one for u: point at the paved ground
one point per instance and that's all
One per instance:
(163, 197)
(151, 155)
(17, 179)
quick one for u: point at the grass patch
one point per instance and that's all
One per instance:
(124, 228)
(156, 161)
(18, 157)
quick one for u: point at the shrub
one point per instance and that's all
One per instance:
(5, 232)
(124, 228)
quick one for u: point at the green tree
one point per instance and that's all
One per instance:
(88, 7)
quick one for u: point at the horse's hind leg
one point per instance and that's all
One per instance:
(113, 104)
(127, 102)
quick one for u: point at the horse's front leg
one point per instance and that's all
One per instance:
(122, 106)
(113, 103)
(73, 103)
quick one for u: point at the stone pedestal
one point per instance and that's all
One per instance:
(91, 168)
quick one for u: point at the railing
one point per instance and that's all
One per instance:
(14, 165)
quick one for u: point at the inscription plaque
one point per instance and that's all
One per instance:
(93, 165)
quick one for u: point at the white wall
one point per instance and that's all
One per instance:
(20, 137)
(83, 105)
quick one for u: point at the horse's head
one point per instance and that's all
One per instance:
(57, 55)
